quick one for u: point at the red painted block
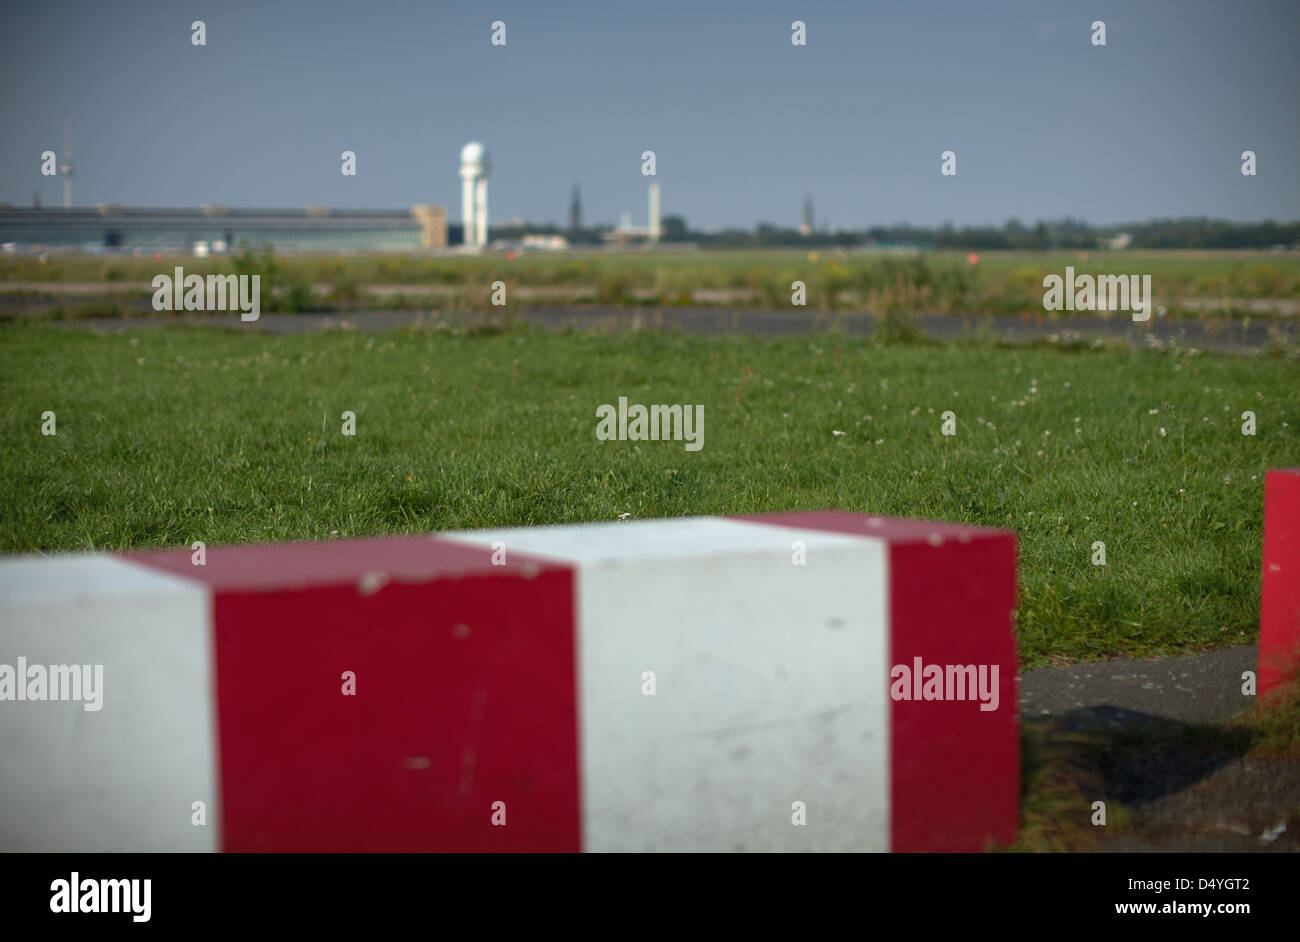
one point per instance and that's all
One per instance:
(1279, 605)
(465, 694)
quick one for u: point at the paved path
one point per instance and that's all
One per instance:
(584, 293)
(1238, 336)
(1184, 791)
(1198, 688)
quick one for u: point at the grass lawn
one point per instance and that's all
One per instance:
(1248, 272)
(1002, 282)
(174, 435)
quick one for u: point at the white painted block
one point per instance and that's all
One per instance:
(771, 683)
(122, 778)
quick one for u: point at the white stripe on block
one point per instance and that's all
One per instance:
(124, 777)
(771, 683)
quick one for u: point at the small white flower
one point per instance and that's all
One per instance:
(1162, 433)
(836, 431)
(880, 441)
(623, 516)
(1152, 411)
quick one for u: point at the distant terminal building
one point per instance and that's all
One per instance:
(547, 242)
(217, 229)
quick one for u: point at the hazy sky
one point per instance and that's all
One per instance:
(743, 124)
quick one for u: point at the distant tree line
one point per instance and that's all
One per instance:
(1068, 233)
(1064, 234)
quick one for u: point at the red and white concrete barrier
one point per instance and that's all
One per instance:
(804, 681)
(1279, 605)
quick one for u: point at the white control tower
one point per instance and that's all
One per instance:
(474, 209)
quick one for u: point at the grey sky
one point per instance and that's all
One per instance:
(743, 123)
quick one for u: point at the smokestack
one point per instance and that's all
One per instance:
(66, 169)
(654, 212)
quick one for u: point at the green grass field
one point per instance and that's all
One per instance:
(174, 435)
(1001, 282)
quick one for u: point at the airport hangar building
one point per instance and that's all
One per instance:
(217, 229)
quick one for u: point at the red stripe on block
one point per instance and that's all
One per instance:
(465, 696)
(1279, 605)
(956, 768)
(955, 773)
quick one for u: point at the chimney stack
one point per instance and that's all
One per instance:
(654, 212)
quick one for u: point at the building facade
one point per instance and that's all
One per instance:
(315, 229)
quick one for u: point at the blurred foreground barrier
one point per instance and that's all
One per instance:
(804, 681)
(1279, 605)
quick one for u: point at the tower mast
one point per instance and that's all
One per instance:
(66, 169)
